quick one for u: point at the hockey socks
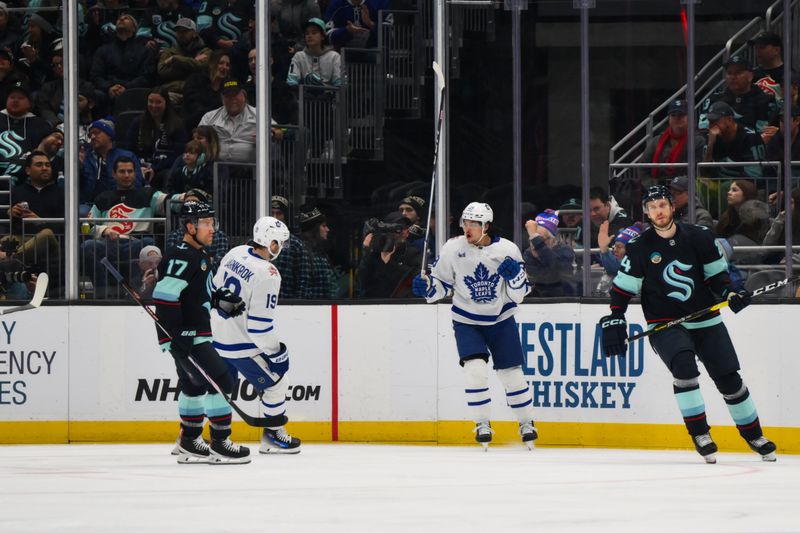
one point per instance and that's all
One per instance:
(192, 412)
(219, 416)
(518, 393)
(693, 408)
(476, 374)
(743, 411)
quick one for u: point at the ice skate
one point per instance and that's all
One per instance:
(483, 434)
(227, 452)
(528, 433)
(192, 451)
(277, 440)
(764, 447)
(706, 447)
(176, 450)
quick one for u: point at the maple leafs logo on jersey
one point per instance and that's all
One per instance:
(482, 287)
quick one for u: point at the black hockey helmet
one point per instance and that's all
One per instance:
(194, 211)
(656, 192)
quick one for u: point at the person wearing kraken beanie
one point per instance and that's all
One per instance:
(548, 261)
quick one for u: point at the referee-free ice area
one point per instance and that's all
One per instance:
(362, 487)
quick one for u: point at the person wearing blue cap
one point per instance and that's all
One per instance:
(98, 162)
(548, 260)
(670, 146)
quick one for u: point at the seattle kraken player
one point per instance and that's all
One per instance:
(678, 269)
(486, 277)
(183, 300)
(249, 341)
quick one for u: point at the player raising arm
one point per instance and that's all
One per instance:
(679, 269)
(249, 341)
(487, 278)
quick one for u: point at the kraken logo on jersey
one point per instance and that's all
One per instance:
(482, 287)
(673, 276)
(10, 148)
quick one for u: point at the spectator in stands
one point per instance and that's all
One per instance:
(679, 186)
(572, 223)
(222, 22)
(351, 23)
(50, 98)
(20, 130)
(669, 147)
(157, 137)
(202, 90)
(37, 49)
(122, 241)
(293, 263)
(548, 261)
(9, 36)
(774, 151)
(37, 197)
(745, 222)
(124, 63)
(190, 55)
(776, 235)
(413, 208)
(610, 256)
(753, 106)
(284, 101)
(389, 262)
(97, 163)
(768, 75)
(318, 64)
(159, 26)
(207, 136)
(87, 104)
(149, 259)
(219, 245)
(730, 141)
(194, 173)
(101, 21)
(603, 207)
(291, 18)
(235, 124)
(9, 75)
(324, 280)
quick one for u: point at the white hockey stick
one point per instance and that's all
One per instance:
(437, 70)
(38, 295)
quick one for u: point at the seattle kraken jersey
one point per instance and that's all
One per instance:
(674, 276)
(182, 295)
(256, 281)
(480, 295)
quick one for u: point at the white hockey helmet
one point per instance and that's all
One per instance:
(479, 212)
(268, 229)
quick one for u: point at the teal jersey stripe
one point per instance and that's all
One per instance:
(169, 289)
(628, 283)
(714, 268)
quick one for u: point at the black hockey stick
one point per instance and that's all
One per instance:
(437, 70)
(38, 295)
(716, 307)
(250, 420)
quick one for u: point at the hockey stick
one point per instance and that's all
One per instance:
(437, 70)
(38, 295)
(716, 307)
(250, 420)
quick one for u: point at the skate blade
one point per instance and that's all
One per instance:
(189, 459)
(281, 451)
(530, 445)
(711, 458)
(771, 457)
(485, 446)
(219, 460)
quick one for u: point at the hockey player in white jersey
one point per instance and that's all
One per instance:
(487, 278)
(249, 341)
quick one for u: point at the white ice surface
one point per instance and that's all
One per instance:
(354, 487)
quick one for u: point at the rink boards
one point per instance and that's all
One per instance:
(385, 373)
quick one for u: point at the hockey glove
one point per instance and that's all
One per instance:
(615, 334)
(738, 300)
(511, 271)
(226, 303)
(279, 361)
(421, 286)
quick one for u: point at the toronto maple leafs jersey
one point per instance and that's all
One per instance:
(480, 295)
(675, 276)
(257, 282)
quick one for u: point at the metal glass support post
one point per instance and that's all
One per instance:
(691, 157)
(787, 132)
(71, 148)
(584, 6)
(263, 115)
(440, 54)
(516, 80)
